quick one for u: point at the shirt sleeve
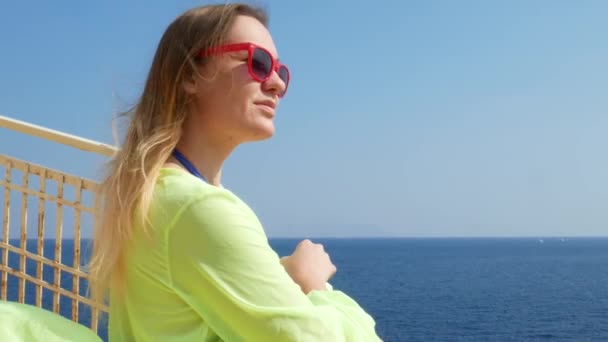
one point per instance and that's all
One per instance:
(222, 265)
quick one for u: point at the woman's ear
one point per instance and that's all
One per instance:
(190, 83)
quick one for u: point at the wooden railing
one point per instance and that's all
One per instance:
(56, 136)
(37, 268)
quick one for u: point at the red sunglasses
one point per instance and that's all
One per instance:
(260, 62)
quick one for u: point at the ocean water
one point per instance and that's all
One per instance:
(459, 289)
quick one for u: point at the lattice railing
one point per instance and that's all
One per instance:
(43, 266)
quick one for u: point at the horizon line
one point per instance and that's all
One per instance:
(401, 237)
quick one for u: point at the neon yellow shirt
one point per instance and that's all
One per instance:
(209, 274)
(26, 322)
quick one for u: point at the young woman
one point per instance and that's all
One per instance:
(182, 257)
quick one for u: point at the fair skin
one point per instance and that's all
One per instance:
(229, 108)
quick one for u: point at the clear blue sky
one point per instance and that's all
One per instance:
(410, 118)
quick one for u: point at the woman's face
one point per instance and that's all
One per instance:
(228, 103)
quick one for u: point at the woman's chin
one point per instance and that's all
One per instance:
(263, 132)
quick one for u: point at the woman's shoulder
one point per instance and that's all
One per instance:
(183, 200)
(177, 194)
(176, 189)
(173, 182)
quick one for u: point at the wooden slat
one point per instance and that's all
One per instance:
(5, 227)
(40, 238)
(23, 234)
(58, 237)
(53, 288)
(43, 260)
(56, 136)
(47, 197)
(55, 175)
(76, 259)
(95, 318)
(95, 312)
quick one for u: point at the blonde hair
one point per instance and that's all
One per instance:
(154, 130)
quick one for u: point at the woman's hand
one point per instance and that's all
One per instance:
(309, 266)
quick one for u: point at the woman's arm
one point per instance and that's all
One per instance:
(222, 265)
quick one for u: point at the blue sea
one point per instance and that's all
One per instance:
(520, 289)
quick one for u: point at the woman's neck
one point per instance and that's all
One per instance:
(205, 155)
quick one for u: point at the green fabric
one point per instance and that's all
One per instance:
(22, 322)
(206, 272)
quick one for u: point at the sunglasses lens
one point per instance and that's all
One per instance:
(261, 63)
(284, 74)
